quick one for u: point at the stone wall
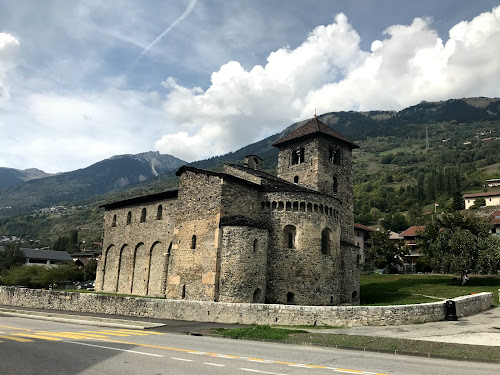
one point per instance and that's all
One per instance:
(243, 264)
(243, 313)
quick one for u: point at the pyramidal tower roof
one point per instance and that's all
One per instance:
(313, 126)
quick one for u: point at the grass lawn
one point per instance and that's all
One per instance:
(404, 289)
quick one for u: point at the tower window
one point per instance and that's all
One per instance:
(334, 156)
(129, 218)
(296, 179)
(113, 224)
(289, 236)
(255, 245)
(159, 212)
(298, 156)
(143, 215)
(289, 297)
(335, 184)
(193, 242)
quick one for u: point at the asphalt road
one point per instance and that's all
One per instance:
(41, 347)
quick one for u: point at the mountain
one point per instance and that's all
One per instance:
(99, 178)
(11, 176)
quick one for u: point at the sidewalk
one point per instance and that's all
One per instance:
(478, 329)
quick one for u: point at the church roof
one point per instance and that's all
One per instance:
(271, 183)
(169, 194)
(313, 126)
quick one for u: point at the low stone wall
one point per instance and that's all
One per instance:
(243, 313)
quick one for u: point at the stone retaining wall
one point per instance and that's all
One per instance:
(243, 313)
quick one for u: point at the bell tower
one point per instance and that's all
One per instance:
(319, 158)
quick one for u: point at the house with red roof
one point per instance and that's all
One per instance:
(410, 236)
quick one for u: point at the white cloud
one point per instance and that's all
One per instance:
(9, 46)
(329, 72)
(60, 131)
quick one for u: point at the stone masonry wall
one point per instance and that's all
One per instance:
(306, 171)
(193, 264)
(243, 313)
(303, 274)
(327, 170)
(135, 256)
(243, 263)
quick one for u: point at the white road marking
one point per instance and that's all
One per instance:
(213, 364)
(259, 371)
(109, 347)
(182, 359)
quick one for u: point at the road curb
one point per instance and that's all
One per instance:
(83, 320)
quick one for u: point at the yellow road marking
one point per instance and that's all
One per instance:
(129, 332)
(143, 332)
(284, 363)
(112, 333)
(21, 329)
(38, 337)
(347, 370)
(15, 338)
(256, 359)
(66, 335)
(314, 366)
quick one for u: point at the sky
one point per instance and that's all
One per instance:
(81, 81)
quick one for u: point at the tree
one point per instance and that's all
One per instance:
(89, 271)
(384, 252)
(12, 256)
(396, 222)
(479, 202)
(460, 243)
(458, 202)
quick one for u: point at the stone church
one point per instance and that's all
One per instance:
(243, 235)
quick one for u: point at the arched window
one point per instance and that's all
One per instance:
(113, 224)
(325, 241)
(289, 237)
(257, 295)
(193, 242)
(288, 206)
(143, 215)
(159, 212)
(335, 184)
(295, 157)
(129, 218)
(255, 245)
(296, 179)
(289, 297)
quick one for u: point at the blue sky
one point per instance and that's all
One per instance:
(81, 81)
